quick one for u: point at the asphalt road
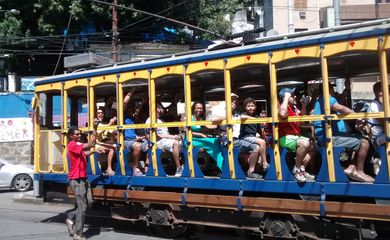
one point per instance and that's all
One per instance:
(46, 221)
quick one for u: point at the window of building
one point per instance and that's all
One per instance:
(300, 29)
(302, 15)
(300, 4)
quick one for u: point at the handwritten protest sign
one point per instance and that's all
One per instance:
(16, 129)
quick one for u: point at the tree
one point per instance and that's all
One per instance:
(216, 15)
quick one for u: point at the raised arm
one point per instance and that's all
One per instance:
(127, 98)
(283, 112)
(92, 141)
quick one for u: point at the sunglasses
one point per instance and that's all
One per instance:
(77, 134)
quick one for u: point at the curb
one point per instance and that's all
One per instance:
(27, 198)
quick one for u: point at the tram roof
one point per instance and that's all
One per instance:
(273, 43)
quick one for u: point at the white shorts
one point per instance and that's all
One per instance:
(166, 144)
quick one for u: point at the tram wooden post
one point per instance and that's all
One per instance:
(385, 92)
(187, 95)
(274, 112)
(91, 114)
(119, 121)
(153, 120)
(64, 126)
(229, 129)
(36, 132)
(328, 126)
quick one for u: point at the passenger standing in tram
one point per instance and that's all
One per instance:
(168, 142)
(211, 145)
(342, 138)
(106, 139)
(77, 153)
(244, 146)
(250, 132)
(135, 143)
(290, 133)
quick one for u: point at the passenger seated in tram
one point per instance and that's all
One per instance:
(106, 139)
(244, 146)
(376, 130)
(136, 144)
(342, 138)
(250, 133)
(168, 142)
(290, 133)
(210, 144)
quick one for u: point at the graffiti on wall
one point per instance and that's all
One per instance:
(16, 129)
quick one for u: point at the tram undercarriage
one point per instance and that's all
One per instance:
(170, 214)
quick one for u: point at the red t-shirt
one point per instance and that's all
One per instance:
(290, 128)
(78, 161)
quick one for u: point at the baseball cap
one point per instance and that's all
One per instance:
(234, 95)
(286, 90)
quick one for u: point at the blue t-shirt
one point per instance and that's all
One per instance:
(338, 127)
(130, 133)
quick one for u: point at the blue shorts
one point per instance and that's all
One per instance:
(130, 142)
(352, 142)
(245, 146)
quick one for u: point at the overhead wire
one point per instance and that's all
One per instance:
(63, 43)
(57, 38)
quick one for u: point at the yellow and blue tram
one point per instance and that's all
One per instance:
(226, 198)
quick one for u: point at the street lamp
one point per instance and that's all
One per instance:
(12, 11)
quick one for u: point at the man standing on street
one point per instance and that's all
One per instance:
(77, 152)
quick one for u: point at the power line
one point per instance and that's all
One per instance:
(158, 16)
(63, 44)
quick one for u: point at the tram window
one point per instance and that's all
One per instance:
(82, 112)
(56, 111)
(168, 97)
(353, 73)
(42, 109)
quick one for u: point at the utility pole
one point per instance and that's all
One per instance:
(114, 53)
(290, 24)
(336, 7)
(376, 9)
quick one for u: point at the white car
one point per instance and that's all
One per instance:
(17, 177)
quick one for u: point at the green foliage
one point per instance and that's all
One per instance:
(216, 15)
(51, 17)
(10, 27)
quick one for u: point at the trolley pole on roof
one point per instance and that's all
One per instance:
(115, 33)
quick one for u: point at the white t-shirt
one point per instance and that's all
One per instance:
(160, 130)
(236, 127)
(376, 128)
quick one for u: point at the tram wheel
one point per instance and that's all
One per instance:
(276, 226)
(167, 231)
(161, 221)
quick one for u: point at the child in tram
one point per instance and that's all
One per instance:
(168, 141)
(290, 133)
(250, 132)
(105, 140)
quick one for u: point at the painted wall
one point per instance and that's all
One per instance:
(13, 146)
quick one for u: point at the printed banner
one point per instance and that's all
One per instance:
(16, 129)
